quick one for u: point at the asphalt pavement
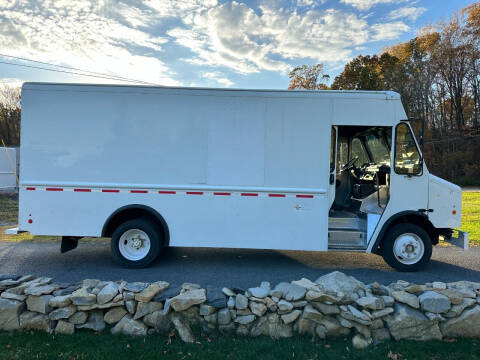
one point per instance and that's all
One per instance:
(227, 267)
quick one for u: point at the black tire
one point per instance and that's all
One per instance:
(154, 235)
(388, 247)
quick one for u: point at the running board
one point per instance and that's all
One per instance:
(348, 240)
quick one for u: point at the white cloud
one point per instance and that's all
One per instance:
(219, 78)
(129, 38)
(235, 36)
(367, 4)
(11, 82)
(408, 12)
(388, 31)
(84, 34)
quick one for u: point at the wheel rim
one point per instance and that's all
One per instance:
(408, 248)
(134, 244)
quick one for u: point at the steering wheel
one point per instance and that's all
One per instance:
(350, 163)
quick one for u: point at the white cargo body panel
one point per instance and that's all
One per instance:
(224, 168)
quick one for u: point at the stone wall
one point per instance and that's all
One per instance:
(332, 306)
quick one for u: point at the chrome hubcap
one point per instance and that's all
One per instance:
(134, 244)
(408, 248)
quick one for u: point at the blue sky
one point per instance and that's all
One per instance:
(212, 43)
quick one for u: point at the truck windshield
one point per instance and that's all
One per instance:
(358, 150)
(377, 148)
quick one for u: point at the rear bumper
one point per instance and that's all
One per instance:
(461, 240)
(12, 231)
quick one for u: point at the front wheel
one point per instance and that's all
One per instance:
(407, 247)
(136, 243)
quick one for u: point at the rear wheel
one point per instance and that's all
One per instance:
(136, 243)
(407, 247)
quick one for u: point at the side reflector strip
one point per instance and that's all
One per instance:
(54, 189)
(222, 193)
(276, 195)
(194, 193)
(110, 191)
(167, 192)
(249, 194)
(305, 196)
(31, 188)
(139, 191)
(82, 190)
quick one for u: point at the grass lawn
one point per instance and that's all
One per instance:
(471, 216)
(89, 345)
(470, 219)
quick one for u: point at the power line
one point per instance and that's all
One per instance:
(81, 73)
(74, 68)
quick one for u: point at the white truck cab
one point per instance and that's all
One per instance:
(153, 167)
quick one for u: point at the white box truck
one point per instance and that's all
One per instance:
(153, 167)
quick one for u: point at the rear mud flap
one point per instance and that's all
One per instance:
(460, 241)
(68, 243)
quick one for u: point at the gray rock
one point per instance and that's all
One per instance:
(371, 302)
(284, 307)
(466, 325)
(377, 324)
(272, 326)
(326, 309)
(147, 308)
(320, 296)
(378, 289)
(12, 296)
(67, 291)
(64, 327)
(79, 318)
(265, 285)
(439, 285)
(129, 326)
(167, 294)
(258, 292)
(340, 284)
(216, 298)
(306, 283)
(434, 302)
(100, 306)
(39, 303)
(334, 328)
(381, 313)
(410, 324)
(190, 286)
(211, 319)
(160, 322)
(356, 315)
(183, 329)
(289, 292)
(107, 293)
(35, 321)
(258, 308)
(231, 302)
(41, 290)
(151, 290)
(432, 316)
(271, 305)
(291, 317)
(131, 306)
(455, 297)
(224, 317)
(90, 283)
(95, 321)
(187, 299)
(310, 313)
(228, 292)
(245, 319)
(388, 300)
(456, 310)
(135, 287)
(9, 314)
(241, 302)
(406, 298)
(83, 297)
(380, 335)
(359, 342)
(363, 330)
(114, 315)
(207, 309)
(305, 326)
(62, 313)
(60, 301)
